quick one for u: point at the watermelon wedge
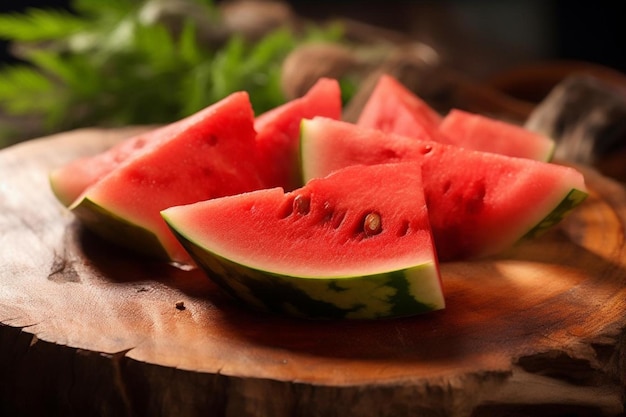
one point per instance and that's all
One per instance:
(278, 132)
(278, 141)
(211, 155)
(393, 108)
(479, 203)
(356, 244)
(484, 133)
(69, 181)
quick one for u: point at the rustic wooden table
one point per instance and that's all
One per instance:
(88, 329)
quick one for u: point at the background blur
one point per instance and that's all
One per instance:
(522, 29)
(130, 62)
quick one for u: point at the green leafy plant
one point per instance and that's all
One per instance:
(121, 62)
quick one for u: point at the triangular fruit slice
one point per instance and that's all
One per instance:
(393, 108)
(356, 244)
(212, 156)
(479, 203)
(278, 132)
(483, 133)
(69, 181)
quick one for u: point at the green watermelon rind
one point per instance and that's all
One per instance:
(397, 293)
(57, 191)
(116, 229)
(549, 156)
(573, 199)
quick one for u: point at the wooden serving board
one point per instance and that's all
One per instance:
(88, 329)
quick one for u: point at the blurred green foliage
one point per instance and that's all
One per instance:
(119, 62)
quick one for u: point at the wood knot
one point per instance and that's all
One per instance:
(62, 270)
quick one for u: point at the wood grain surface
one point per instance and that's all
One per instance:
(89, 329)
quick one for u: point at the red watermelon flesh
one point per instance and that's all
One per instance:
(210, 155)
(479, 203)
(483, 133)
(317, 230)
(356, 244)
(482, 203)
(71, 180)
(393, 108)
(278, 132)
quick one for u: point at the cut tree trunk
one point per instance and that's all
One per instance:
(89, 329)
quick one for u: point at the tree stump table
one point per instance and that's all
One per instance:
(89, 329)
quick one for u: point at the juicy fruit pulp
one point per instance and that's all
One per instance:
(393, 108)
(479, 203)
(483, 133)
(277, 142)
(211, 157)
(278, 132)
(355, 244)
(71, 180)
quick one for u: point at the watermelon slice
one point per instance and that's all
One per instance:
(211, 155)
(278, 132)
(479, 203)
(484, 133)
(69, 181)
(393, 108)
(356, 244)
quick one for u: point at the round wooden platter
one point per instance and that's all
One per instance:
(89, 329)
